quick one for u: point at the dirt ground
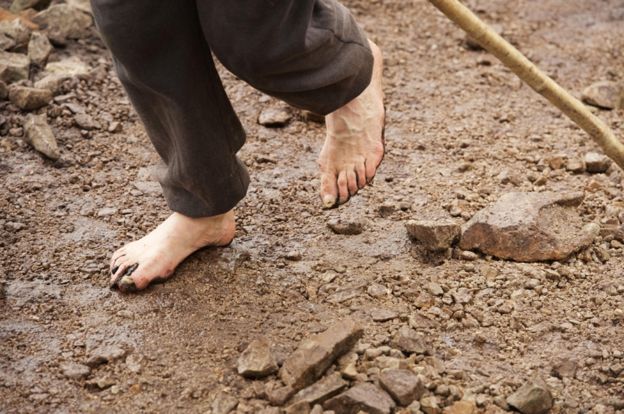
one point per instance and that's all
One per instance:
(461, 131)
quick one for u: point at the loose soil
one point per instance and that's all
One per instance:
(461, 131)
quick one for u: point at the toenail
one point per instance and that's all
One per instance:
(114, 270)
(127, 285)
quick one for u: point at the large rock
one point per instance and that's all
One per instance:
(534, 397)
(257, 360)
(39, 48)
(13, 67)
(14, 34)
(461, 407)
(29, 98)
(38, 133)
(409, 341)
(403, 385)
(322, 390)
(19, 5)
(530, 227)
(434, 235)
(605, 94)
(362, 397)
(314, 355)
(63, 22)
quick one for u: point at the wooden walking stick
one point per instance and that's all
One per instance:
(536, 79)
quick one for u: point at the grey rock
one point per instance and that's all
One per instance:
(63, 22)
(13, 66)
(349, 226)
(403, 385)
(223, 403)
(322, 390)
(315, 354)
(565, 368)
(362, 397)
(274, 117)
(604, 94)
(39, 135)
(57, 72)
(383, 315)
(73, 370)
(105, 354)
(596, 163)
(84, 5)
(39, 48)
(106, 211)
(410, 341)
(14, 34)
(534, 397)
(575, 165)
(434, 235)
(257, 360)
(27, 98)
(86, 122)
(530, 227)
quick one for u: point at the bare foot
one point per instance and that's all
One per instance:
(155, 256)
(354, 145)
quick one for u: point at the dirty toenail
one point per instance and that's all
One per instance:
(114, 270)
(127, 285)
(117, 283)
(328, 201)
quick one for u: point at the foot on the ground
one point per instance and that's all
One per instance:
(354, 145)
(155, 256)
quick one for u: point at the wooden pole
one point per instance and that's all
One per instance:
(535, 78)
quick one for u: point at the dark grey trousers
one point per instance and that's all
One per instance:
(309, 53)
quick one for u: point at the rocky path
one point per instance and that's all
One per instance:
(460, 331)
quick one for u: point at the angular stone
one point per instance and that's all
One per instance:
(104, 354)
(314, 355)
(223, 403)
(596, 163)
(274, 117)
(461, 407)
(410, 341)
(84, 5)
(27, 98)
(86, 122)
(604, 94)
(383, 315)
(346, 226)
(4, 90)
(13, 66)
(322, 390)
(63, 22)
(39, 48)
(257, 360)
(301, 407)
(534, 397)
(56, 72)
(364, 397)
(434, 235)
(39, 134)
(279, 396)
(75, 371)
(13, 34)
(565, 368)
(403, 385)
(430, 405)
(530, 227)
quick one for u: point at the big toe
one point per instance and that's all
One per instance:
(329, 190)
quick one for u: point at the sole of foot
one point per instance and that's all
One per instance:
(155, 257)
(354, 146)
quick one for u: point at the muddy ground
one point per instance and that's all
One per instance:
(461, 131)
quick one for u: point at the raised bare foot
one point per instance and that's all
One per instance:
(155, 256)
(354, 145)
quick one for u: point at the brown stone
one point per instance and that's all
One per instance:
(402, 384)
(14, 34)
(596, 163)
(322, 390)
(530, 227)
(39, 134)
(434, 235)
(604, 94)
(274, 117)
(29, 99)
(257, 360)
(63, 22)
(39, 48)
(461, 407)
(13, 67)
(362, 397)
(410, 341)
(314, 355)
(534, 397)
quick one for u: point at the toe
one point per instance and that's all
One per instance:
(118, 253)
(352, 183)
(343, 189)
(120, 270)
(360, 171)
(370, 170)
(329, 191)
